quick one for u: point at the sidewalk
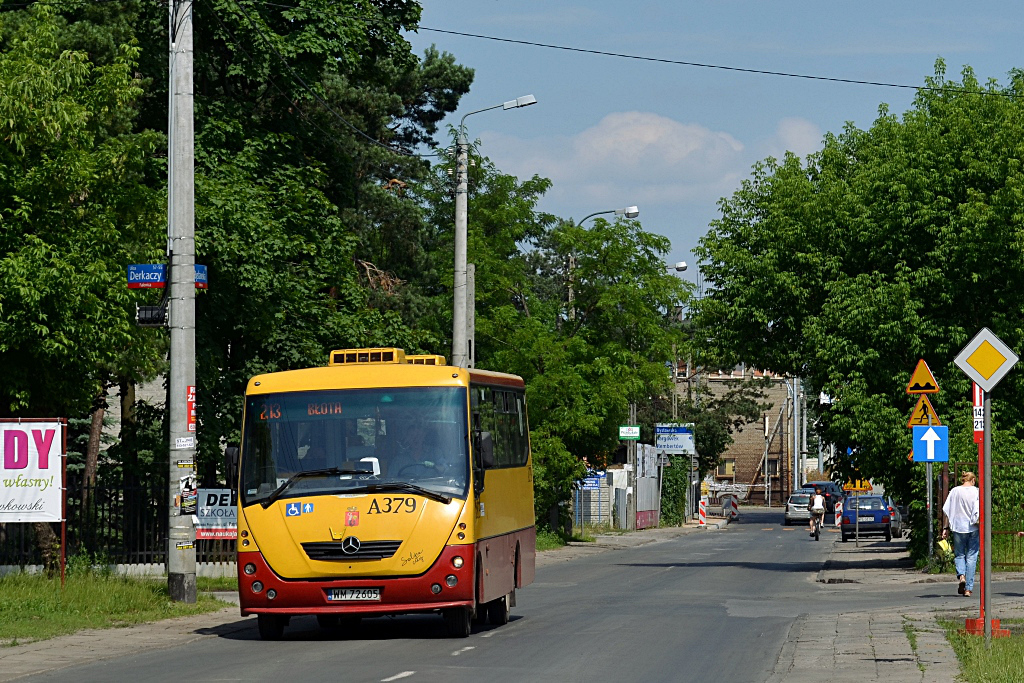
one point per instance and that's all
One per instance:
(876, 645)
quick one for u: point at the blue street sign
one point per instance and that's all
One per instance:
(202, 278)
(931, 444)
(147, 276)
(154, 276)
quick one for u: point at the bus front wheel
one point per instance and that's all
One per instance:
(271, 626)
(458, 621)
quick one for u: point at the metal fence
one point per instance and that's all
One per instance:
(1007, 512)
(119, 522)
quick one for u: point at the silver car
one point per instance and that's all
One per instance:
(796, 508)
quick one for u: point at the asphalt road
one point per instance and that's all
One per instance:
(714, 605)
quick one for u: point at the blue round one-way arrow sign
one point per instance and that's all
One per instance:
(931, 444)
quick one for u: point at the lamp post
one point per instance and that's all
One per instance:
(679, 267)
(628, 212)
(460, 333)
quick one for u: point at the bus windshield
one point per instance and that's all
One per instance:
(374, 438)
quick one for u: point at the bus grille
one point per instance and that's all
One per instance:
(368, 550)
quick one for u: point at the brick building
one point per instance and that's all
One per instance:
(761, 447)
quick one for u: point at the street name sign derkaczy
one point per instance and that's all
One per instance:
(922, 381)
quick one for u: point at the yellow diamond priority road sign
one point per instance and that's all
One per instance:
(986, 359)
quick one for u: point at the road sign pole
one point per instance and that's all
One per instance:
(928, 506)
(986, 521)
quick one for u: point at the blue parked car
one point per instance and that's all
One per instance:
(869, 515)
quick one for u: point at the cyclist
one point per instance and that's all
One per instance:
(816, 506)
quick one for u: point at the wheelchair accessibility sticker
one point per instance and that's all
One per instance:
(297, 509)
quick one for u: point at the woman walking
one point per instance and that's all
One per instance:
(962, 510)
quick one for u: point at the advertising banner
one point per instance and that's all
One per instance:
(31, 471)
(217, 515)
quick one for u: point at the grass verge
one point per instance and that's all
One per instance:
(33, 607)
(1004, 663)
(223, 583)
(550, 540)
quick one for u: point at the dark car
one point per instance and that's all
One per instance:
(833, 492)
(866, 516)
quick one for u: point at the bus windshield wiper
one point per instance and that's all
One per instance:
(411, 488)
(325, 472)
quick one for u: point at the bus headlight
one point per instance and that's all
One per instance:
(457, 562)
(271, 594)
(451, 580)
(257, 586)
(435, 588)
(250, 568)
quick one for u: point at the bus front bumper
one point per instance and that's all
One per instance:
(276, 595)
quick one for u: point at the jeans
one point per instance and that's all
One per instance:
(965, 554)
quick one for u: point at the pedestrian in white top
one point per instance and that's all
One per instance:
(962, 510)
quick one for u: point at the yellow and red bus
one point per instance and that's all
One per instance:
(383, 483)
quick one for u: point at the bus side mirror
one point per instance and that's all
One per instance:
(484, 458)
(231, 466)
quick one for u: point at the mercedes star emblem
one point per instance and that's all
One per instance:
(350, 546)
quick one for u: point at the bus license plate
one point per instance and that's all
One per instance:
(353, 594)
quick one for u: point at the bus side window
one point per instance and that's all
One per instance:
(484, 418)
(520, 429)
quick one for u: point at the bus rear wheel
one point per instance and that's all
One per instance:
(271, 626)
(458, 621)
(498, 611)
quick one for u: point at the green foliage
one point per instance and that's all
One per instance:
(890, 244)
(76, 205)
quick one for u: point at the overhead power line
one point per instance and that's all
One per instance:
(678, 62)
(662, 60)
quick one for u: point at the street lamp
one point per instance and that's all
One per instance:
(460, 332)
(628, 212)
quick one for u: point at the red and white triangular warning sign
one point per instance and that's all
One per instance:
(922, 381)
(924, 414)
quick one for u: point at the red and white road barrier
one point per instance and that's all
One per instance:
(702, 513)
(839, 512)
(734, 509)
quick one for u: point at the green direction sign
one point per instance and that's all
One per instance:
(629, 432)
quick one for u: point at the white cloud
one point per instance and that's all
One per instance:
(630, 157)
(796, 135)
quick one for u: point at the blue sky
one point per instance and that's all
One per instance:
(612, 132)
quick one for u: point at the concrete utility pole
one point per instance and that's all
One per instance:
(181, 553)
(461, 339)
(631, 451)
(460, 343)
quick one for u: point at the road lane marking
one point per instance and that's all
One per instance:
(770, 528)
(404, 674)
(465, 649)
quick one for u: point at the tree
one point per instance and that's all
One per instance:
(76, 206)
(890, 244)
